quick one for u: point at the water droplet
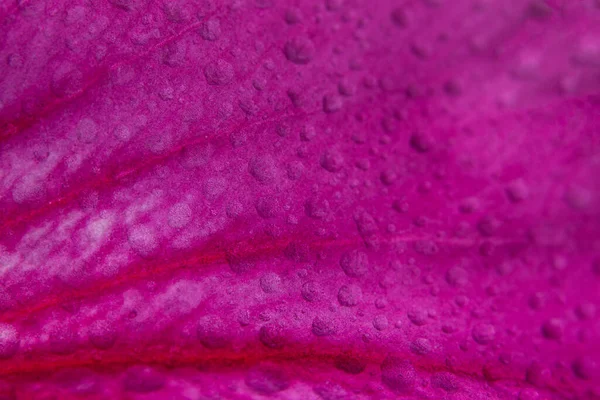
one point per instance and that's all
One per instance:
(517, 191)
(259, 83)
(311, 291)
(122, 132)
(86, 130)
(457, 277)
(346, 88)
(483, 333)
(449, 328)
(461, 300)
(270, 282)
(267, 207)
(445, 381)
(536, 374)
(417, 316)
(536, 301)
(210, 29)
(323, 326)
(349, 295)
(399, 18)
(263, 4)
(453, 87)
(400, 206)
(584, 367)
(333, 5)
(175, 13)
(262, 169)
(126, 5)
(297, 97)
(316, 208)
(426, 247)
(14, 60)
(538, 10)
(272, 336)
(174, 54)
(308, 133)
(244, 318)
(421, 346)
(298, 252)
(293, 16)
(388, 177)
(421, 142)
(248, 106)
(332, 103)
(553, 329)
(363, 164)
(467, 206)
(218, 73)
(380, 322)
(283, 129)
(488, 226)
(354, 263)
(578, 198)
(365, 223)
(237, 258)
(585, 311)
(350, 364)
(299, 50)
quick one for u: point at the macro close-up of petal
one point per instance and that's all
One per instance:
(300, 199)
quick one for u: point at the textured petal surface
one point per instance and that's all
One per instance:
(320, 199)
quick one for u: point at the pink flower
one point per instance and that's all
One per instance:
(320, 199)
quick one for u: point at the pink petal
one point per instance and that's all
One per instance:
(325, 199)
